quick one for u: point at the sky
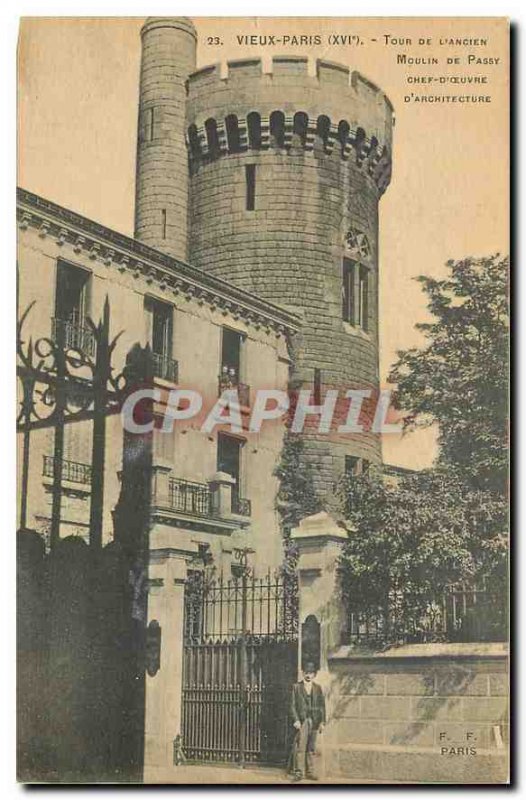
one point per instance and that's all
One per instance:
(449, 194)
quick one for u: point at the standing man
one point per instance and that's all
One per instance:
(307, 709)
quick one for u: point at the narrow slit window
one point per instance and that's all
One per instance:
(348, 292)
(150, 124)
(163, 222)
(250, 180)
(317, 386)
(363, 299)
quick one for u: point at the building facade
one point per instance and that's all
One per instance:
(197, 326)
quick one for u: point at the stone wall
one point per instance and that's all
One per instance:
(168, 57)
(434, 713)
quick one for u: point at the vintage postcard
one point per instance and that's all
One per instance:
(262, 361)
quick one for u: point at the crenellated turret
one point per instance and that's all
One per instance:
(286, 172)
(272, 181)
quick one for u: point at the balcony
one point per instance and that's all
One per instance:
(241, 505)
(201, 506)
(72, 471)
(228, 379)
(190, 497)
(165, 368)
(74, 336)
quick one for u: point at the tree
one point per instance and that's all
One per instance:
(459, 379)
(411, 542)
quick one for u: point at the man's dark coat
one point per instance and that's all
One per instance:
(299, 708)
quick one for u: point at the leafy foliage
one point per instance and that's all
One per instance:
(296, 499)
(460, 378)
(409, 542)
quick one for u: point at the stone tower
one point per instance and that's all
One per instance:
(286, 171)
(161, 201)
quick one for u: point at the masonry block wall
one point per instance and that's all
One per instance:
(426, 712)
(168, 56)
(312, 185)
(318, 148)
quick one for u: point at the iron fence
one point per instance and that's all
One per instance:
(225, 609)
(239, 663)
(462, 613)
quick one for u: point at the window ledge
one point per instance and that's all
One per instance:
(354, 330)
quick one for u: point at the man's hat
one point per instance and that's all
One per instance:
(310, 666)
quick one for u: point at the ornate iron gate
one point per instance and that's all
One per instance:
(240, 660)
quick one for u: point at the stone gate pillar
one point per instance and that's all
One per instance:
(167, 572)
(320, 541)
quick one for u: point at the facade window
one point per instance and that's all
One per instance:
(348, 291)
(231, 367)
(229, 456)
(159, 322)
(229, 460)
(355, 466)
(163, 223)
(363, 298)
(355, 294)
(250, 183)
(231, 354)
(72, 296)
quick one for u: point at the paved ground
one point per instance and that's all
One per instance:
(207, 775)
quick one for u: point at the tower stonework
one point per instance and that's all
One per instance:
(161, 204)
(286, 170)
(320, 149)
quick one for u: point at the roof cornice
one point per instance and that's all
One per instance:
(127, 254)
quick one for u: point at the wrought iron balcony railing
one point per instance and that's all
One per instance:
(165, 367)
(190, 497)
(241, 505)
(74, 335)
(230, 381)
(72, 471)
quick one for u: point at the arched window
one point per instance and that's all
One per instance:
(212, 138)
(323, 127)
(254, 130)
(300, 125)
(343, 132)
(277, 128)
(232, 134)
(193, 141)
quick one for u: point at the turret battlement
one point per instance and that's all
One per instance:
(328, 73)
(333, 111)
(219, 137)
